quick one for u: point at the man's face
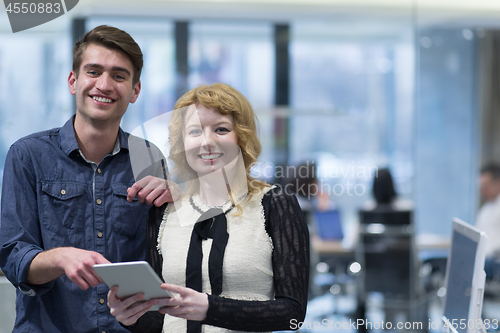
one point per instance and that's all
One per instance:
(104, 87)
(489, 187)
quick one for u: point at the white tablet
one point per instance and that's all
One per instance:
(132, 278)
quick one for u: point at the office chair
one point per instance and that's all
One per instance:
(387, 253)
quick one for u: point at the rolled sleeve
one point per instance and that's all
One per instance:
(27, 255)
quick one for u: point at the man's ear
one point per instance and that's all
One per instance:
(137, 90)
(72, 82)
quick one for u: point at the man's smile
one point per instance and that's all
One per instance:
(102, 99)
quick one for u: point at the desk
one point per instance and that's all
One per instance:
(336, 247)
(329, 246)
(432, 242)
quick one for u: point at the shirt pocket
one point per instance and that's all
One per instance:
(128, 216)
(64, 207)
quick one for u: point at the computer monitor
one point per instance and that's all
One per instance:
(328, 224)
(465, 278)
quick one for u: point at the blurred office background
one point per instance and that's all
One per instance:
(351, 86)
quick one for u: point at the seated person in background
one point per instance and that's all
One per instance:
(302, 181)
(384, 193)
(488, 217)
(234, 249)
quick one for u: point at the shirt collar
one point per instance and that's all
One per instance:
(69, 143)
(68, 138)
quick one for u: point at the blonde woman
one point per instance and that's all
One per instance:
(235, 250)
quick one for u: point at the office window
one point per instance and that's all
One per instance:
(34, 96)
(352, 106)
(447, 133)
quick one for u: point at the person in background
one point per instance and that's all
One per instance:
(69, 200)
(384, 193)
(302, 181)
(488, 216)
(234, 249)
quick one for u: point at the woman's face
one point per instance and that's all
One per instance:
(210, 140)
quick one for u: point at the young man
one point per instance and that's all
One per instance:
(69, 198)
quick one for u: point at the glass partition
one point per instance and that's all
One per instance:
(34, 96)
(447, 133)
(351, 113)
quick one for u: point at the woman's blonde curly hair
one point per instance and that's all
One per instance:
(227, 101)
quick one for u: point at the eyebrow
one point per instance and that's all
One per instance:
(197, 123)
(224, 122)
(101, 67)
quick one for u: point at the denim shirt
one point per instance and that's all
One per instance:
(52, 197)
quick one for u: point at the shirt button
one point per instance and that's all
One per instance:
(99, 201)
(101, 301)
(99, 234)
(63, 191)
(98, 170)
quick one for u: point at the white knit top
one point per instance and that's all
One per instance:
(247, 266)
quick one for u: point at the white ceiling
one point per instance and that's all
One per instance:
(425, 11)
(350, 13)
